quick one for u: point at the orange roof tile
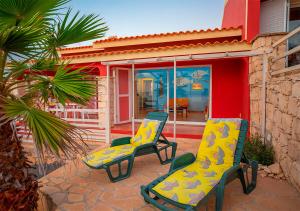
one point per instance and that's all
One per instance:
(115, 38)
(152, 49)
(73, 48)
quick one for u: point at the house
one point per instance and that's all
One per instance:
(203, 72)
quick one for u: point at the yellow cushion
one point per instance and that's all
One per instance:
(146, 133)
(190, 184)
(219, 141)
(97, 159)
(216, 154)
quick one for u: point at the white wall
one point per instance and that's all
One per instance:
(273, 16)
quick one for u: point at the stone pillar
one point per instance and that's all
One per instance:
(102, 97)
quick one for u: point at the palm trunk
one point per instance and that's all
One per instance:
(18, 187)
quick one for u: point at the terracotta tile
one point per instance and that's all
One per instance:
(122, 204)
(73, 207)
(65, 186)
(74, 197)
(49, 189)
(101, 206)
(59, 198)
(77, 189)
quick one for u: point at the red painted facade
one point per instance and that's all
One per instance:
(245, 13)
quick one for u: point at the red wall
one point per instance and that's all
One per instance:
(235, 15)
(230, 89)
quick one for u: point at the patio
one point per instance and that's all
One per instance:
(76, 187)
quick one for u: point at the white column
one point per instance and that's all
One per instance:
(115, 95)
(133, 103)
(107, 113)
(175, 110)
(99, 103)
(168, 91)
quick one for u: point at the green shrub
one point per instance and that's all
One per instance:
(256, 149)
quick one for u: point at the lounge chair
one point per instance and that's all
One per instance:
(191, 180)
(146, 141)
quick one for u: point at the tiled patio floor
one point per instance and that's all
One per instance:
(77, 187)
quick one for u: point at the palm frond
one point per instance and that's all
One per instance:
(48, 131)
(66, 85)
(77, 29)
(23, 40)
(73, 29)
(14, 12)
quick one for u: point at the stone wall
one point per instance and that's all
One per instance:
(102, 100)
(282, 107)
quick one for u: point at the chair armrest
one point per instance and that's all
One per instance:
(120, 141)
(182, 161)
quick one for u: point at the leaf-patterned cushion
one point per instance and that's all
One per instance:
(216, 154)
(146, 133)
(98, 158)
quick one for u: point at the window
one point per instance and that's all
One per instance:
(293, 23)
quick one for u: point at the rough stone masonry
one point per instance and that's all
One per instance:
(282, 107)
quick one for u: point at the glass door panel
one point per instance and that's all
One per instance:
(192, 93)
(150, 91)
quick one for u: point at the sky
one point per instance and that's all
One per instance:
(137, 17)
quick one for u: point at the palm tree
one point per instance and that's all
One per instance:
(31, 31)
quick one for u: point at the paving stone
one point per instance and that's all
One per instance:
(57, 180)
(49, 189)
(102, 206)
(58, 198)
(65, 186)
(77, 189)
(73, 207)
(74, 197)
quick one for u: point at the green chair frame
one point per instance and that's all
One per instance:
(236, 171)
(159, 146)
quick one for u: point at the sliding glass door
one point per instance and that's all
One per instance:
(154, 91)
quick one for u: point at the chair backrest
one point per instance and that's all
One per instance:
(150, 129)
(223, 141)
(160, 116)
(241, 141)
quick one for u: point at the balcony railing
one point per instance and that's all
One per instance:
(286, 54)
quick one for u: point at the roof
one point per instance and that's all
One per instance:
(201, 31)
(174, 50)
(159, 45)
(156, 38)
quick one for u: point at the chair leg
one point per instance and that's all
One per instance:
(120, 175)
(220, 198)
(164, 149)
(250, 185)
(242, 180)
